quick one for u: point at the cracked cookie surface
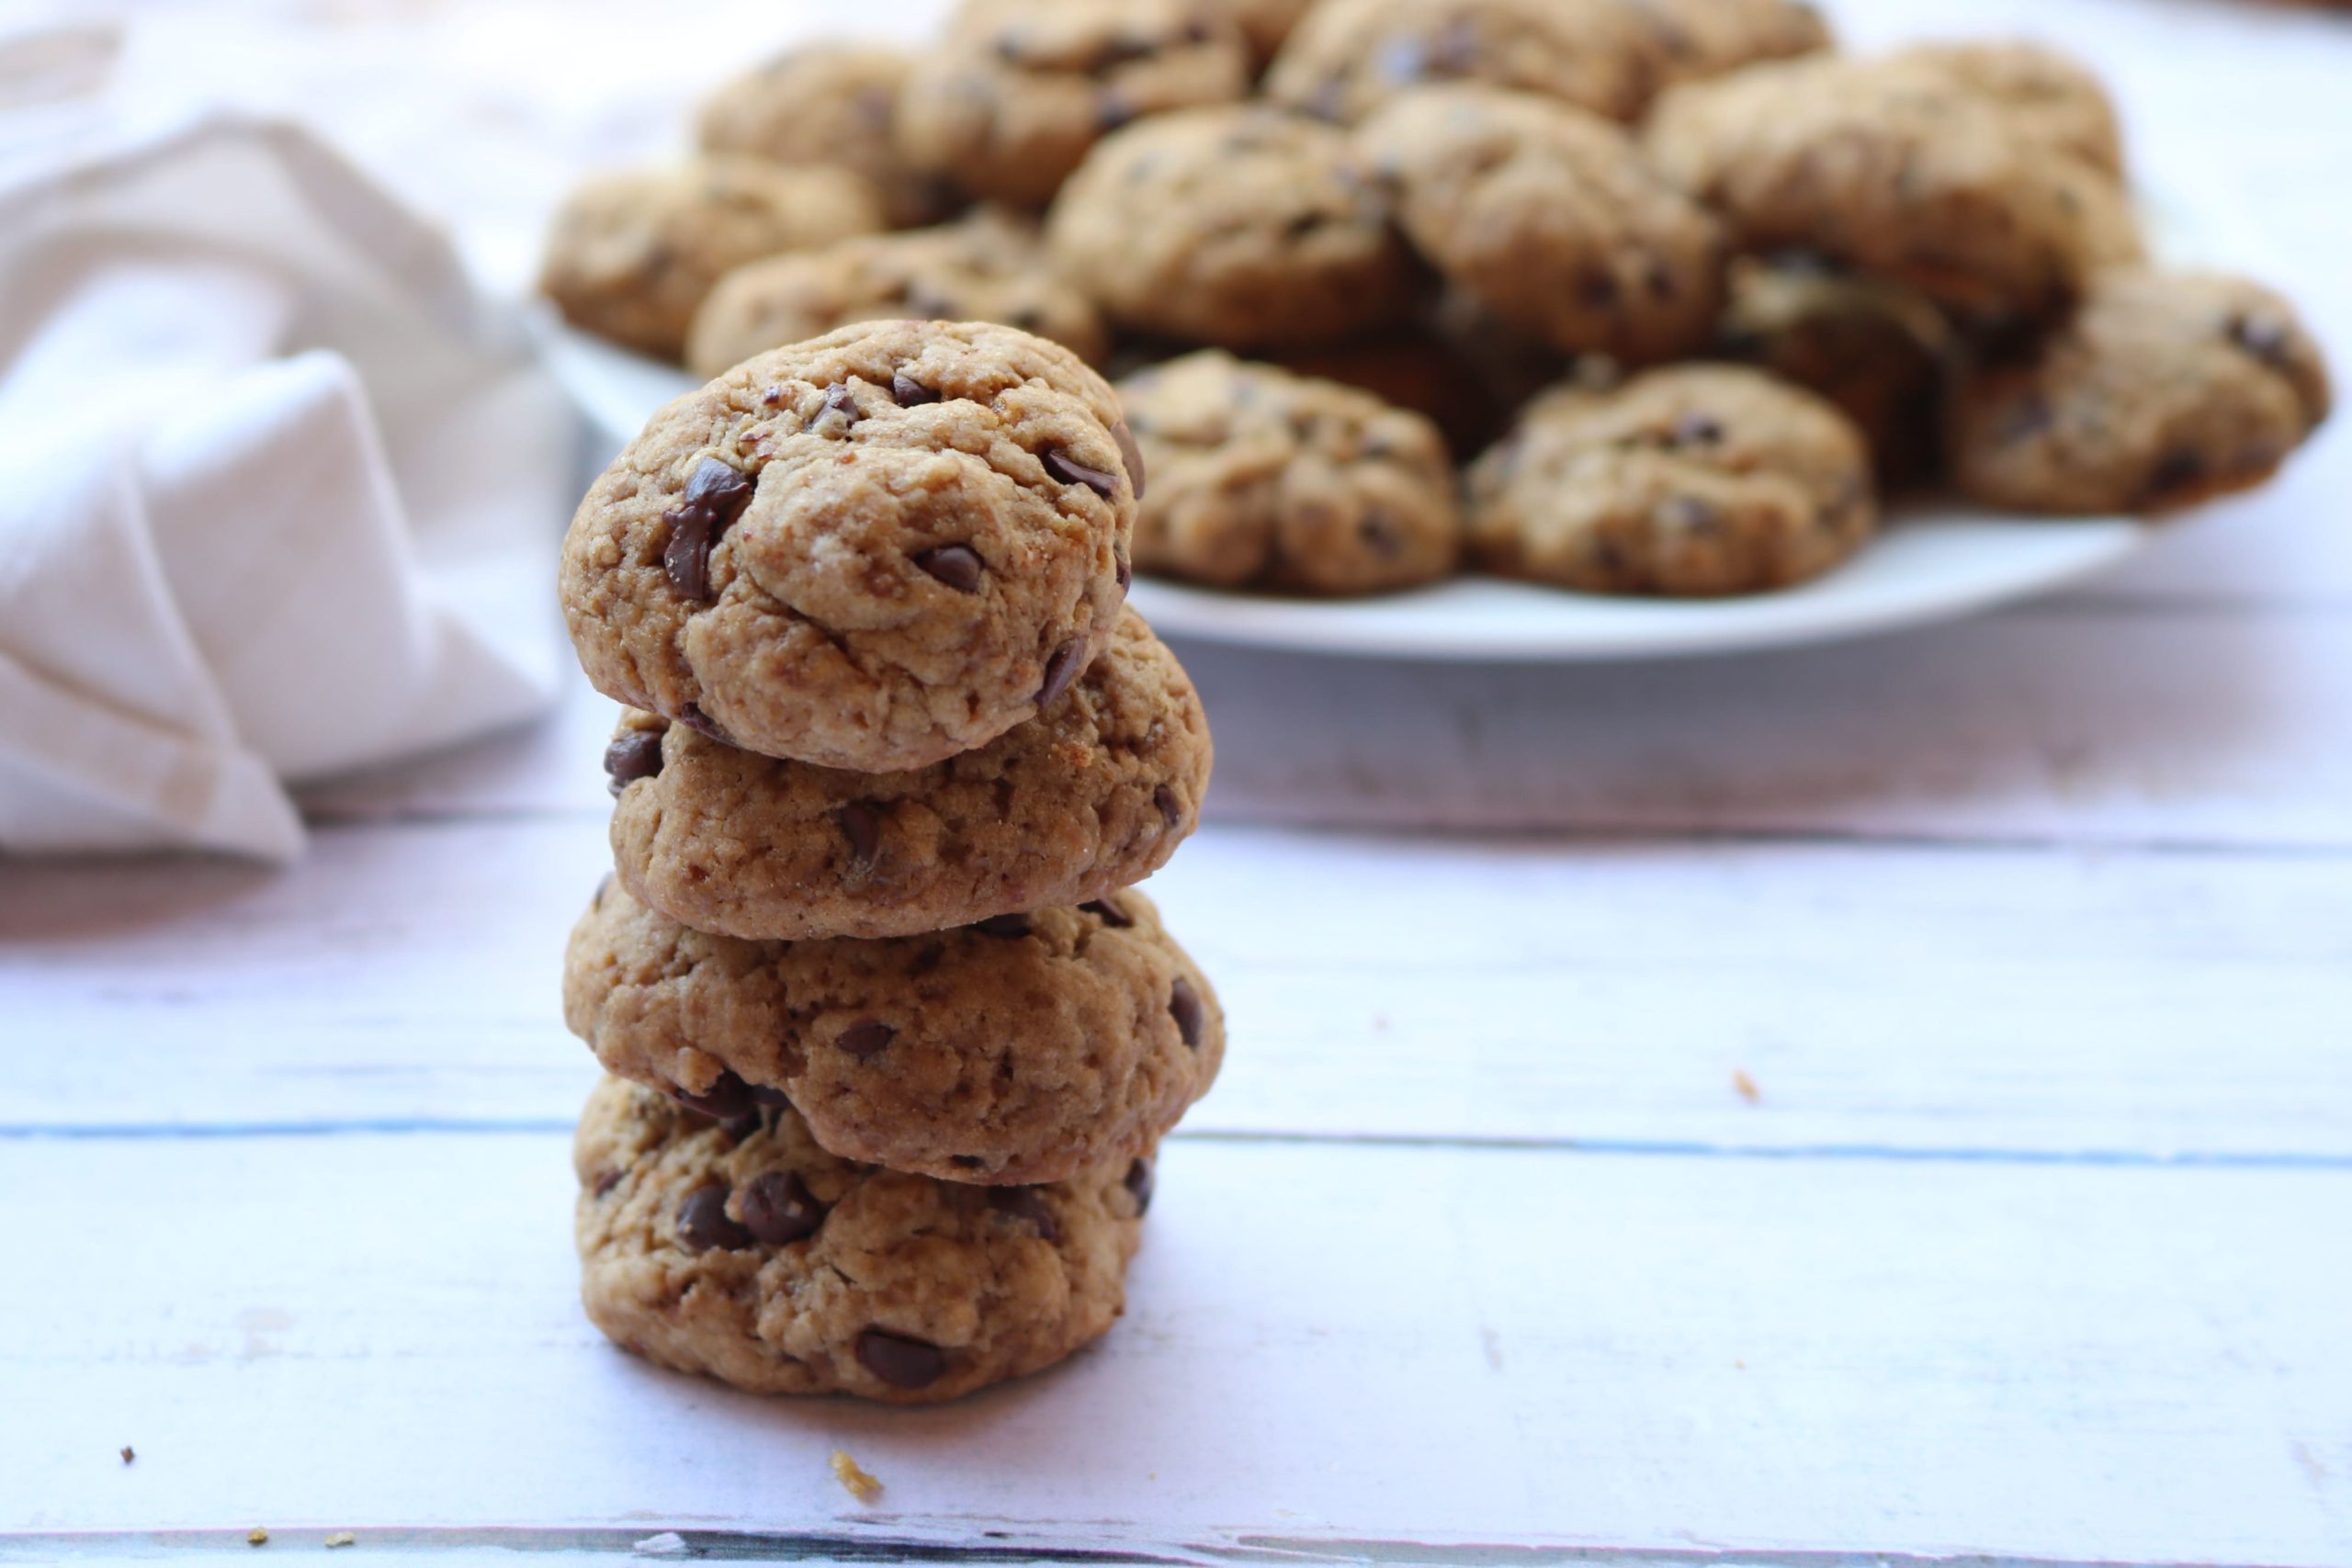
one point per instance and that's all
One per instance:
(870, 551)
(1268, 479)
(1019, 1049)
(2159, 391)
(746, 1253)
(1091, 796)
(1692, 481)
(630, 255)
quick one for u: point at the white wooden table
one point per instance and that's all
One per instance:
(1885, 1099)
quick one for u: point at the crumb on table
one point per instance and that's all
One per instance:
(1747, 1086)
(855, 1482)
(343, 1538)
(256, 1537)
(128, 1453)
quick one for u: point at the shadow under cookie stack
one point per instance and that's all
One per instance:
(891, 1040)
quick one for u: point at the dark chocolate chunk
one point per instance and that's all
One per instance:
(866, 1039)
(1138, 1181)
(1003, 925)
(860, 824)
(1131, 455)
(1108, 911)
(778, 1208)
(729, 1097)
(1025, 1204)
(632, 756)
(839, 399)
(715, 495)
(1068, 471)
(1184, 1006)
(1061, 671)
(702, 724)
(900, 1360)
(703, 1222)
(909, 392)
(1170, 808)
(957, 566)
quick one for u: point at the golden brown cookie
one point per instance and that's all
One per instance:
(748, 1253)
(1348, 57)
(1692, 481)
(870, 551)
(827, 103)
(2051, 96)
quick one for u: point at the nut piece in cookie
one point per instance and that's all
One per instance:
(1891, 173)
(754, 564)
(1010, 101)
(1091, 796)
(1236, 226)
(990, 267)
(747, 1253)
(1880, 353)
(1691, 481)
(630, 255)
(1262, 479)
(1017, 1049)
(1551, 217)
(827, 103)
(1350, 56)
(2159, 391)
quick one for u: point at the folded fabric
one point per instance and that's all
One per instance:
(279, 492)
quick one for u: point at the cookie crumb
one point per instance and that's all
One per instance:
(342, 1537)
(855, 1482)
(128, 1453)
(669, 1543)
(1747, 1087)
(256, 1537)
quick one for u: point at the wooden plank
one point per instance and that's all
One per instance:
(1346, 1343)
(1915, 998)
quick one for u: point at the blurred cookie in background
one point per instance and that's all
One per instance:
(1348, 57)
(2050, 96)
(828, 103)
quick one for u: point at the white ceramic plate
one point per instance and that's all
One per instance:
(1937, 560)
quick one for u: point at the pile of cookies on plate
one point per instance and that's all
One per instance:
(892, 1039)
(1624, 296)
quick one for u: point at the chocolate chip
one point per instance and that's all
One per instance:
(1068, 471)
(2265, 337)
(703, 1222)
(900, 1362)
(1138, 1181)
(778, 1208)
(1379, 533)
(1692, 515)
(909, 392)
(1108, 911)
(860, 824)
(969, 1162)
(632, 756)
(1130, 453)
(1184, 1006)
(739, 1128)
(715, 495)
(1698, 430)
(1112, 109)
(1597, 289)
(839, 399)
(1023, 1204)
(1170, 808)
(729, 1097)
(1125, 567)
(1061, 671)
(957, 566)
(866, 1039)
(607, 1181)
(1003, 925)
(774, 1097)
(2175, 471)
(702, 724)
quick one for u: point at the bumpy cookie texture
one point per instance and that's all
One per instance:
(1267, 480)
(2159, 391)
(989, 268)
(1691, 40)
(2052, 97)
(1551, 217)
(1693, 481)
(1091, 796)
(1350, 56)
(1880, 353)
(1018, 1050)
(1237, 226)
(748, 1253)
(630, 255)
(1012, 97)
(827, 103)
(1891, 171)
(870, 551)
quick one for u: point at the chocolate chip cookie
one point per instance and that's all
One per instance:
(1019, 1049)
(1092, 795)
(1692, 40)
(828, 103)
(1266, 25)
(1881, 354)
(990, 267)
(1012, 99)
(1350, 56)
(630, 255)
(2161, 389)
(1267, 480)
(1891, 171)
(1551, 217)
(2052, 97)
(747, 1253)
(870, 551)
(1237, 226)
(1693, 481)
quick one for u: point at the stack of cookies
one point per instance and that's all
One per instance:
(892, 1039)
(1627, 297)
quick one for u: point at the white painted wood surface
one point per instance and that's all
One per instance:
(2033, 937)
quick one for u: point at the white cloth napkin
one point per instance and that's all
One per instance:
(279, 492)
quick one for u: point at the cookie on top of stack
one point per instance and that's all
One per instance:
(1489, 232)
(893, 1038)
